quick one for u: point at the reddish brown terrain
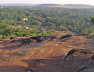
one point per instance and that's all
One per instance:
(47, 56)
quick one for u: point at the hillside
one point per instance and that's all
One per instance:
(52, 5)
(26, 21)
(66, 5)
(46, 56)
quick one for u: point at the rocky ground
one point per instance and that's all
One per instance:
(47, 56)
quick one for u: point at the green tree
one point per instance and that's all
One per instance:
(92, 20)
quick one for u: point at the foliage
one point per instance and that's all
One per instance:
(52, 19)
(92, 20)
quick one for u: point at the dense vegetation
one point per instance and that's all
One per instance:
(46, 19)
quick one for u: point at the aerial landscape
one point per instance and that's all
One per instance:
(46, 37)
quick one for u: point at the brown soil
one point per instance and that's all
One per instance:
(45, 56)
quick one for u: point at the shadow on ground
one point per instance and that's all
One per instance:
(12, 69)
(58, 64)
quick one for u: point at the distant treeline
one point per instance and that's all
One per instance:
(50, 19)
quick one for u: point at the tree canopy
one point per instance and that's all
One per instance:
(51, 19)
